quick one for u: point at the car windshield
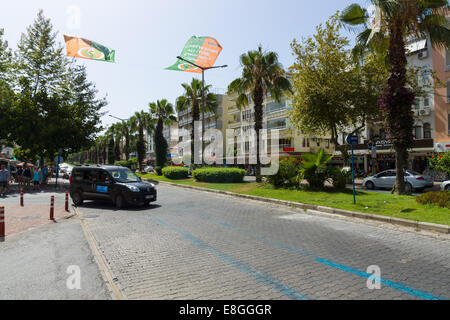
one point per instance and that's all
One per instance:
(124, 175)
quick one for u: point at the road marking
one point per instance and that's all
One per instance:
(258, 276)
(394, 285)
(102, 264)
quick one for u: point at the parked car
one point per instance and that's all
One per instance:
(117, 184)
(386, 180)
(149, 169)
(445, 186)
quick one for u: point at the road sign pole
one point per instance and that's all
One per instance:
(353, 174)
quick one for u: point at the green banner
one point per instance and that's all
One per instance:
(203, 51)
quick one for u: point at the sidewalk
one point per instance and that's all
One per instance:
(35, 212)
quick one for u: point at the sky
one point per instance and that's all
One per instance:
(148, 35)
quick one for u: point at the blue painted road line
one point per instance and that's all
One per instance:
(394, 285)
(258, 276)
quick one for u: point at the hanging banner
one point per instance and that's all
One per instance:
(86, 49)
(203, 51)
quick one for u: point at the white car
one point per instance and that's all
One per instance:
(445, 185)
(386, 180)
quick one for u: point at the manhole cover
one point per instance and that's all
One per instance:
(91, 216)
(29, 218)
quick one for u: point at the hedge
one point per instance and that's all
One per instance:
(441, 199)
(219, 175)
(175, 173)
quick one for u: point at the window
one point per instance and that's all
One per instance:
(448, 123)
(416, 104)
(307, 143)
(426, 101)
(418, 133)
(318, 142)
(448, 91)
(285, 143)
(427, 131)
(276, 124)
(447, 59)
(275, 106)
(327, 143)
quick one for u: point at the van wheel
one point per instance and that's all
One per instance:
(120, 202)
(77, 199)
(448, 188)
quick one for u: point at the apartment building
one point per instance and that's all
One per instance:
(430, 118)
(170, 134)
(292, 142)
(212, 121)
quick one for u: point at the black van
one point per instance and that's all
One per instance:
(118, 184)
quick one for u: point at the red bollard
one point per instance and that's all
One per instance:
(67, 201)
(2, 223)
(21, 197)
(52, 208)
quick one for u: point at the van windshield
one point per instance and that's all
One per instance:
(124, 175)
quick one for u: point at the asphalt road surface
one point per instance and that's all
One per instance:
(196, 245)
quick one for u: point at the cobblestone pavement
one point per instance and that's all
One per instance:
(195, 245)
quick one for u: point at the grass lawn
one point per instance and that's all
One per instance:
(404, 207)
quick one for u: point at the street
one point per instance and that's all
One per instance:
(195, 245)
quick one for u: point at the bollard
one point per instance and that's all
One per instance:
(52, 208)
(21, 197)
(2, 223)
(67, 201)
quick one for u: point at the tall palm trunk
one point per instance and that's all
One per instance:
(397, 83)
(141, 148)
(195, 117)
(127, 144)
(258, 100)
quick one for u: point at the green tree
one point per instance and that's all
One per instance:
(192, 98)
(262, 74)
(55, 105)
(110, 154)
(394, 22)
(163, 113)
(139, 123)
(7, 96)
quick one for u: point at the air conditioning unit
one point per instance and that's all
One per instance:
(423, 54)
(440, 147)
(425, 112)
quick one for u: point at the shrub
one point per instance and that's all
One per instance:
(286, 175)
(175, 173)
(441, 199)
(219, 175)
(132, 164)
(339, 176)
(314, 169)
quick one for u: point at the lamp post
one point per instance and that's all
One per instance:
(123, 120)
(203, 89)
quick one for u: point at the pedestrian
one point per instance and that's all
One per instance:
(45, 175)
(37, 176)
(20, 176)
(27, 177)
(4, 178)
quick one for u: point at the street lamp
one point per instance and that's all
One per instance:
(203, 89)
(127, 132)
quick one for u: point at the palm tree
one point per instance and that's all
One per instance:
(139, 122)
(394, 22)
(115, 133)
(261, 74)
(192, 98)
(162, 113)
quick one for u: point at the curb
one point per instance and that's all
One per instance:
(417, 225)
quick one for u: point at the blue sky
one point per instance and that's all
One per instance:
(148, 35)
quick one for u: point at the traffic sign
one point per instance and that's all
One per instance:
(353, 140)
